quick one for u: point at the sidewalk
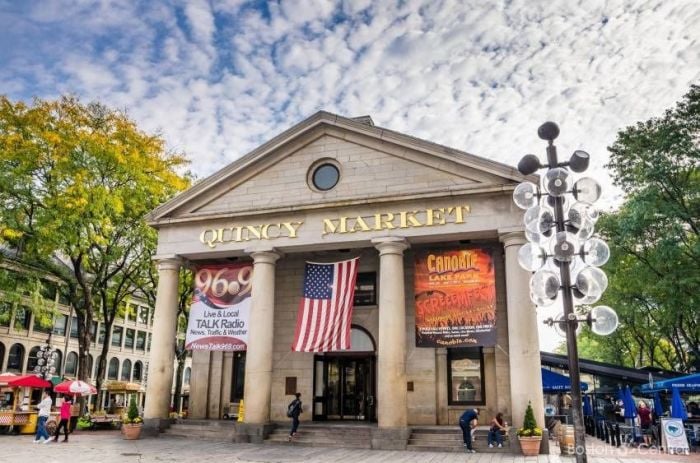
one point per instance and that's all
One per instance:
(109, 447)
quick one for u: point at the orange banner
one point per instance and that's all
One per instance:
(455, 292)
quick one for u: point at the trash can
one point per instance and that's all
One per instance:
(566, 440)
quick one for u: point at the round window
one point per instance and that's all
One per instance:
(325, 177)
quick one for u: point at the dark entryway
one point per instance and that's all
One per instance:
(345, 387)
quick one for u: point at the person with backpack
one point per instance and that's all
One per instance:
(293, 411)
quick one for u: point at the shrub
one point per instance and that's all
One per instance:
(132, 415)
(529, 428)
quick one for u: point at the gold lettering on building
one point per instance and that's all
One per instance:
(396, 220)
(212, 237)
(239, 233)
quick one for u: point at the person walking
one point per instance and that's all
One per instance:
(468, 422)
(44, 413)
(293, 411)
(495, 431)
(65, 419)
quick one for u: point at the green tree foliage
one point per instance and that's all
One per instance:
(654, 271)
(75, 183)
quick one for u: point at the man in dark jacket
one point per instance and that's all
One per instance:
(293, 411)
(468, 421)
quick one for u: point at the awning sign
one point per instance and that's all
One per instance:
(455, 293)
(220, 308)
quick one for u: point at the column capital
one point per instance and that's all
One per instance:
(390, 245)
(264, 256)
(168, 261)
(514, 236)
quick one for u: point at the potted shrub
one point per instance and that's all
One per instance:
(530, 436)
(132, 422)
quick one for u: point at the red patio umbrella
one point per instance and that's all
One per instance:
(23, 381)
(75, 387)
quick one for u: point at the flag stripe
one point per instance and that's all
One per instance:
(325, 310)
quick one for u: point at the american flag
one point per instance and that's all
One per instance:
(325, 309)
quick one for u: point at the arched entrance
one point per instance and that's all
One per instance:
(345, 382)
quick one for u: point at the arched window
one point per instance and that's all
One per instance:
(58, 358)
(187, 375)
(71, 364)
(32, 360)
(15, 361)
(360, 340)
(138, 371)
(113, 370)
(89, 365)
(126, 370)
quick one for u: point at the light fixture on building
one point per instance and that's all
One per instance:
(45, 360)
(563, 254)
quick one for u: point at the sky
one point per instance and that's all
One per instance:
(218, 78)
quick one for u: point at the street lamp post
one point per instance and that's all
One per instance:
(45, 359)
(563, 254)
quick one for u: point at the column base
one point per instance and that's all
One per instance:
(152, 427)
(390, 438)
(252, 433)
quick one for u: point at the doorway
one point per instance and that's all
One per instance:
(345, 387)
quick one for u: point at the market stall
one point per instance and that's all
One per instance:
(16, 411)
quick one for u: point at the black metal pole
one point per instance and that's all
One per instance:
(571, 324)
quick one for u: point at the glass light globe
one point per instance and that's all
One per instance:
(591, 282)
(525, 195)
(587, 189)
(564, 246)
(544, 287)
(596, 252)
(557, 181)
(580, 212)
(586, 231)
(604, 320)
(539, 219)
(534, 237)
(531, 257)
(40, 361)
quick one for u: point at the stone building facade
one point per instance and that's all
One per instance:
(328, 189)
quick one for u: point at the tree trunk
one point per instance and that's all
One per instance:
(102, 367)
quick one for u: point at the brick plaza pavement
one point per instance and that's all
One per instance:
(109, 447)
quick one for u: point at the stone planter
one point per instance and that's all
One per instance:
(530, 446)
(131, 431)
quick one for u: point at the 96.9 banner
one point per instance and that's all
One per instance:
(220, 308)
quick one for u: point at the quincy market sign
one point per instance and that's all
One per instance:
(212, 237)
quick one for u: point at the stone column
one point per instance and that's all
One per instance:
(391, 365)
(258, 364)
(162, 355)
(523, 340)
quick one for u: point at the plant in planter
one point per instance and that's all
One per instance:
(530, 436)
(132, 422)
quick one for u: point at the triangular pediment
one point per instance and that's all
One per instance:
(375, 165)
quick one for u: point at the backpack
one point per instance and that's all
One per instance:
(292, 408)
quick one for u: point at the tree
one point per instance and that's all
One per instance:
(655, 269)
(75, 183)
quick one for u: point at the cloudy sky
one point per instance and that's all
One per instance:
(217, 78)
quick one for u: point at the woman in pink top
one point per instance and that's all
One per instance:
(65, 418)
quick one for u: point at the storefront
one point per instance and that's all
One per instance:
(441, 319)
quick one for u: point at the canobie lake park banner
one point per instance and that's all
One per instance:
(455, 291)
(220, 308)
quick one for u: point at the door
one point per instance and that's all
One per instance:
(344, 388)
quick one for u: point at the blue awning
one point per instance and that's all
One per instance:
(554, 382)
(689, 383)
